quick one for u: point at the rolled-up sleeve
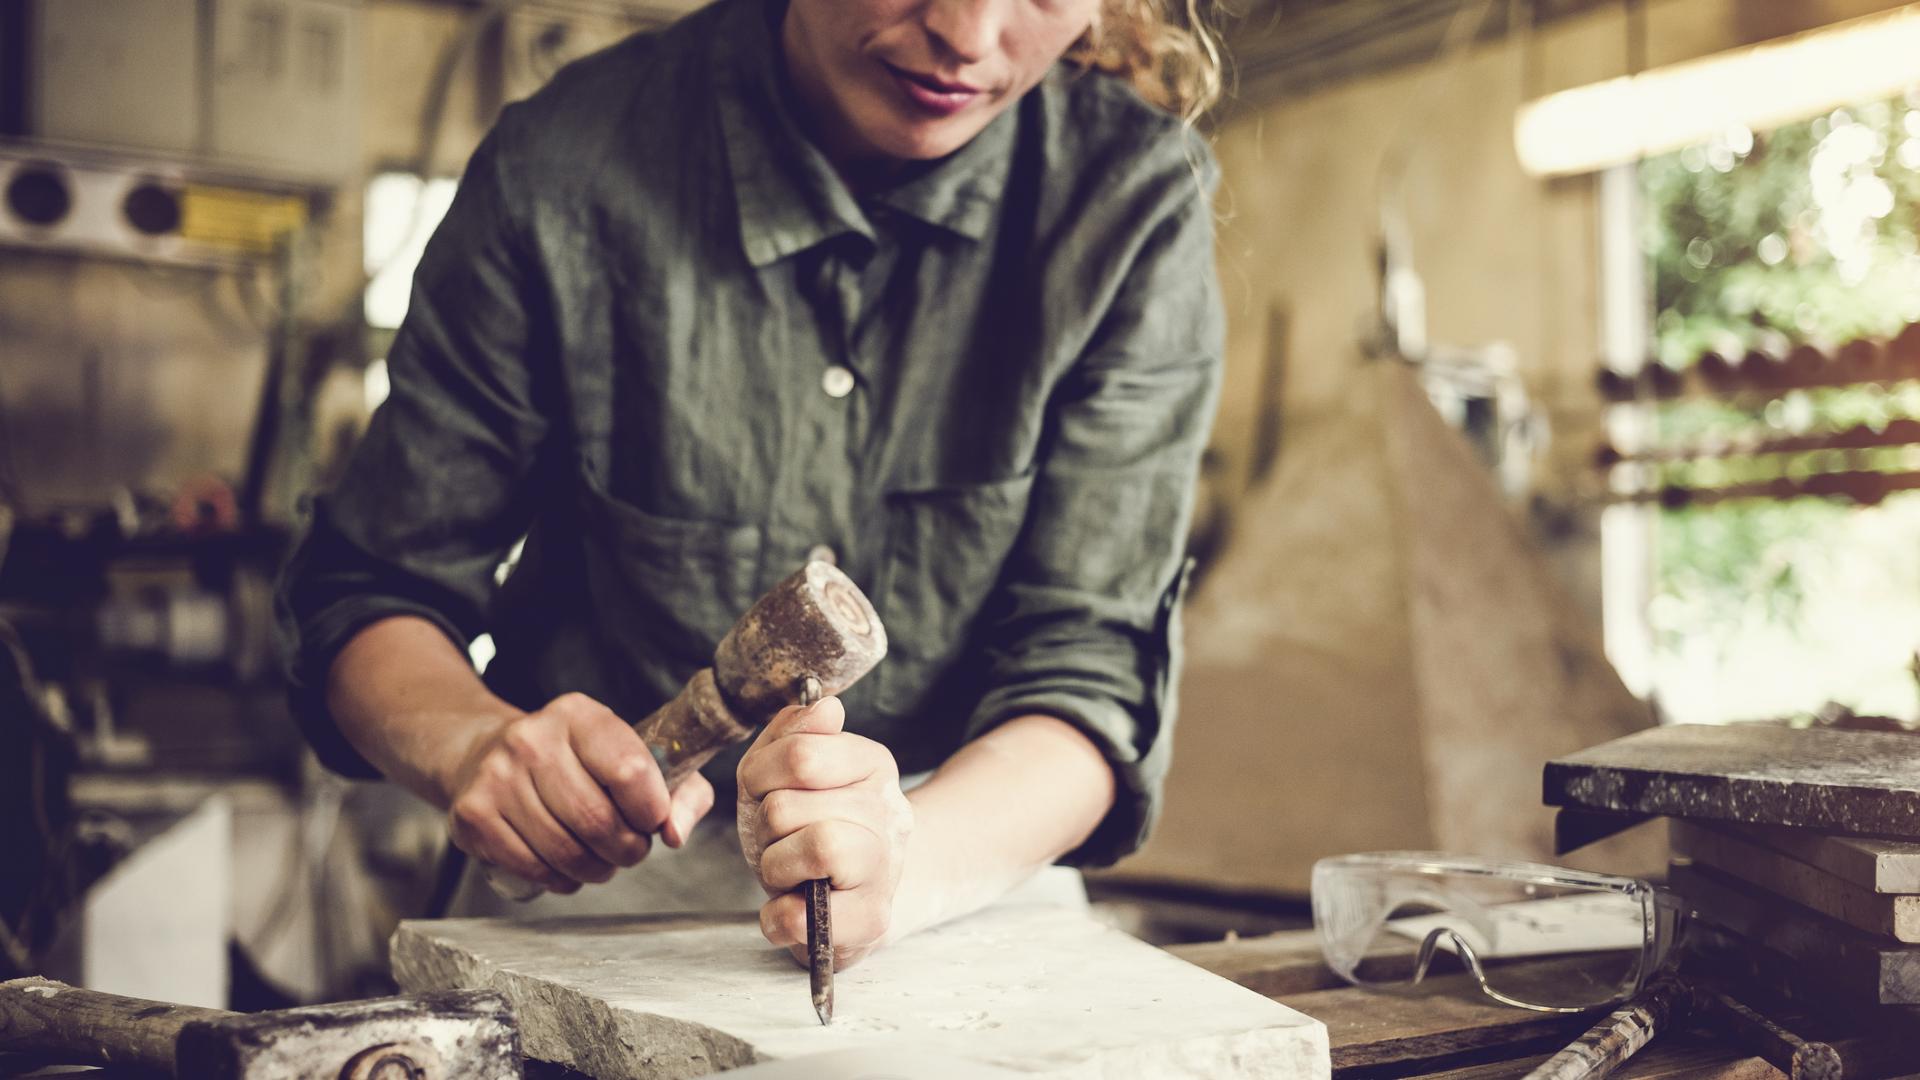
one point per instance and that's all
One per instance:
(435, 494)
(1085, 623)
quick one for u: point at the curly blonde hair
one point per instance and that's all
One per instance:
(1173, 61)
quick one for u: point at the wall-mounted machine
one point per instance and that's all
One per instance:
(96, 203)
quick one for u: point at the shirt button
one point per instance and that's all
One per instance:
(837, 382)
(822, 553)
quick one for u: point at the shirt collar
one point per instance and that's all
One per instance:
(789, 196)
(961, 192)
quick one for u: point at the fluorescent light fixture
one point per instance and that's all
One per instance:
(1622, 120)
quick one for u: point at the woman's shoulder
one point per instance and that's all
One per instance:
(1099, 124)
(1096, 142)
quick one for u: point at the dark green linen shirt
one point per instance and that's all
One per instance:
(660, 337)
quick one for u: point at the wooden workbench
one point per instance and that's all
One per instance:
(1447, 1028)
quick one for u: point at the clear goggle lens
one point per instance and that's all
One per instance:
(1535, 936)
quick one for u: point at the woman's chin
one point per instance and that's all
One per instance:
(896, 133)
(922, 142)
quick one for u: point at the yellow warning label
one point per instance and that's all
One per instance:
(237, 219)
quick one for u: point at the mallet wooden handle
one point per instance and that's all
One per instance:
(86, 1027)
(686, 732)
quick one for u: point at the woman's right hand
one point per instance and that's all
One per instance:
(566, 794)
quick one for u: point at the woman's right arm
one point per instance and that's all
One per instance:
(559, 796)
(397, 572)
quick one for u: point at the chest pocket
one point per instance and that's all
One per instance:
(945, 549)
(663, 591)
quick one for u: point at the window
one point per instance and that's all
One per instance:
(401, 213)
(1757, 243)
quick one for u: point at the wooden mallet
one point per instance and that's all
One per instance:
(815, 624)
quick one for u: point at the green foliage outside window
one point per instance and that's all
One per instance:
(1809, 233)
(1806, 233)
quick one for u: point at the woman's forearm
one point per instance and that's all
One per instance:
(410, 702)
(1007, 804)
(562, 795)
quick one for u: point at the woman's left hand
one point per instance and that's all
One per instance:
(819, 802)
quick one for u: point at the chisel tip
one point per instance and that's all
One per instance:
(820, 948)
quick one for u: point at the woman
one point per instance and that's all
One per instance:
(879, 281)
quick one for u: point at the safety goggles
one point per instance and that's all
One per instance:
(1538, 937)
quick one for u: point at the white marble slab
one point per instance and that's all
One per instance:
(1038, 990)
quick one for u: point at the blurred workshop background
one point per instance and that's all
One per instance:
(1574, 386)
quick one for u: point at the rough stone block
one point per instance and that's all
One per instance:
(1033, 989)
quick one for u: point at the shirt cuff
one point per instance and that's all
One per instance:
(1118, 689)
(1137, 778)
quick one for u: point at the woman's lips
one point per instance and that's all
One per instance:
(934, 95)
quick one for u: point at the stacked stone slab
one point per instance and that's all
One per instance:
(1803, 843)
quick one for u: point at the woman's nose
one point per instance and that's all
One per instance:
(969, 29)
